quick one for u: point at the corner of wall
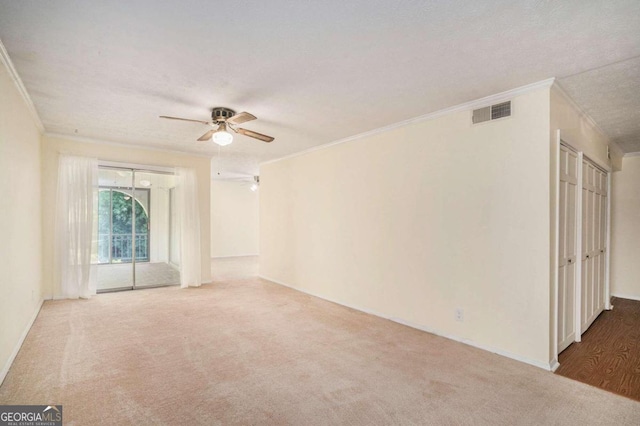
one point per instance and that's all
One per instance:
(579, 130)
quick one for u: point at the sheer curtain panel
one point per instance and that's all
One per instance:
(76, 204)
(188, 216)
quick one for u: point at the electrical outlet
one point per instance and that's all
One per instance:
(459, 314)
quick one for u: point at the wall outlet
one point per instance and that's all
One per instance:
(459, 314)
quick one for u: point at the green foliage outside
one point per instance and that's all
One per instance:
(121, 214)
(118, 211)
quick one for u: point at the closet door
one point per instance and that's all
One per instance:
(594, 201)
(567, 250)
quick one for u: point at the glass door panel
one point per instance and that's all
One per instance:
(114, 230)
(154, 265)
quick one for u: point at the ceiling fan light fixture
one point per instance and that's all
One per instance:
(221, 136)
(221, 117)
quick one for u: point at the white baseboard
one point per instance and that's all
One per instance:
(553, 365)
(16, 349)
(626, 296)
(235, 255)
(535, 363)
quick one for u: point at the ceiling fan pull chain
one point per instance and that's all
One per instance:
(218, 162)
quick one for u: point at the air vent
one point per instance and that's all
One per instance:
(492, 112)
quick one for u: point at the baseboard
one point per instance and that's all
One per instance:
(553, 365)
(626, 296)
(13, 355)
(535, 363)
(235, 255)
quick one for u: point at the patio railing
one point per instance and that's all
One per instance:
(120, 247)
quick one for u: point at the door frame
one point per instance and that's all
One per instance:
(559, 140)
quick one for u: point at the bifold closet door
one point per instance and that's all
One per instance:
(567, 248)
(594, 209)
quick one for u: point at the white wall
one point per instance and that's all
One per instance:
(53, 146)
(20, 220)
(625, 230)
(234, 219)
(420, 220)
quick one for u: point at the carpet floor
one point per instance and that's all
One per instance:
(253, 352)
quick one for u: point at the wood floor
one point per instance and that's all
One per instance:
(609, 355)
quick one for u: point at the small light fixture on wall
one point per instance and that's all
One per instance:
(256, 183)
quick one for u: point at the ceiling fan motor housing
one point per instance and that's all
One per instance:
(221, 114)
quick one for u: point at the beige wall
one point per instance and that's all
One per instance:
(53, 146)
(420, 220)
(625, 230)
(20, 250)
(234, 219)
(580, 133)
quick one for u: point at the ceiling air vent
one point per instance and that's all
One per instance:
(492, 112)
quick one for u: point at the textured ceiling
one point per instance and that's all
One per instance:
(611, 96)
(313, 72)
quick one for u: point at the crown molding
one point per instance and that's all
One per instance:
(556, 87)
(6, 60)
(474, 104)
(125, 145)
(632, 154)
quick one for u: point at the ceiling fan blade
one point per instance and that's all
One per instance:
(241, 117)
(256, 135)
(207, 135)
(185, 119)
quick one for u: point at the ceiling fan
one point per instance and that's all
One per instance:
(221, 118)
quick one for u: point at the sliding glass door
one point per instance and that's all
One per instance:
(115, 235)
(156, 269)
(134, 230)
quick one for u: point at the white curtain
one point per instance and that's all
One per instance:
(77, 200)
(188, 216)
